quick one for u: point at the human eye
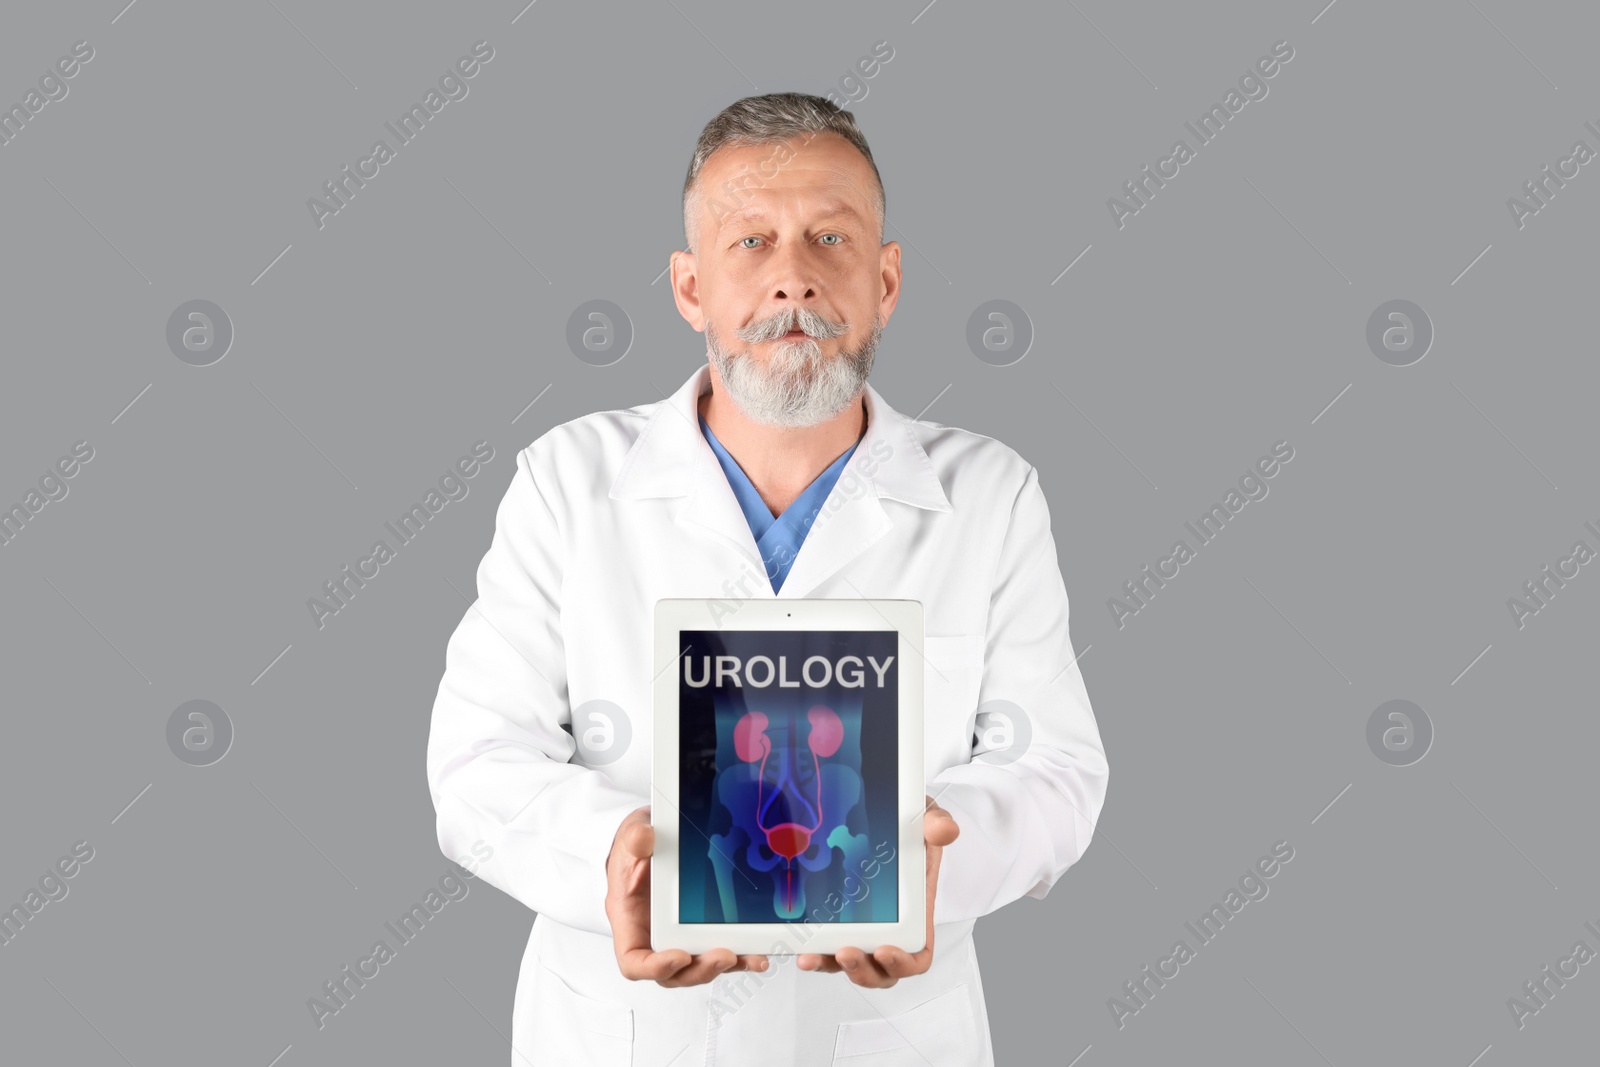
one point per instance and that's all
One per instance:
(752, 237)
(838, 235)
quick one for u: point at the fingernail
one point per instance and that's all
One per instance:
(850, 964)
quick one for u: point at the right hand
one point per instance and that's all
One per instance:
(628, 909)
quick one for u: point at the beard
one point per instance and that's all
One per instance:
(796, 385)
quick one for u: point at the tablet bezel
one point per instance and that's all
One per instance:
(909, 932)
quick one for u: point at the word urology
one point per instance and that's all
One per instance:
(758, 672)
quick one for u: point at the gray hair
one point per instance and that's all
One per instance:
(770, 119)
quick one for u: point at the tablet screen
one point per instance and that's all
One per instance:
(788, 775)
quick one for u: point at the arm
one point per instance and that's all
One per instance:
(1023, 823)
(497, 755)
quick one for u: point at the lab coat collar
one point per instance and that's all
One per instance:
(671, 458)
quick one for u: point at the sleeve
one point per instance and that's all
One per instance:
(497, 759)
(1025, 817)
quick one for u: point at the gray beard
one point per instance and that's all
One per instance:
(797, 386)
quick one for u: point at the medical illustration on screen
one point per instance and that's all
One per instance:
(790, 767)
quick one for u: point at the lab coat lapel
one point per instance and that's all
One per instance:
(673, 458)
(842, 530)
(712, 509)
(888, 464)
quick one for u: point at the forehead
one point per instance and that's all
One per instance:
(825, 174)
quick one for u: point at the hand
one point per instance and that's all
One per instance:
(628, 909)
(888, 964)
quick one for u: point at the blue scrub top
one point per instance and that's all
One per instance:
(778, 538)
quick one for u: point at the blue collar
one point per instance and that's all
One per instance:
(777, 537)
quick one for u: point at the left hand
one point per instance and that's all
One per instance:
(887, 965)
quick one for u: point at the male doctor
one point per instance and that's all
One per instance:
(775, 470)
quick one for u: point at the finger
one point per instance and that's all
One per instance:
(864, 970)
(752, 963)
(819, 962)
(938, 825)
(923, 959)
(898, 963)
(628, 876)
(641, 964)
(703, 969)
(638, 837)
(637, 815)
(627, 909)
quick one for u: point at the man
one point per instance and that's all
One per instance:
(775, 470)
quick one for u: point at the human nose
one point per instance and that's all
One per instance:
(795, 278)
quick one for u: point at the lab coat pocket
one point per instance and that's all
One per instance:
(954, 669)
(940, 1031)
(566, 1027)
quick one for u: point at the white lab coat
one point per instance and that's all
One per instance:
(608, 513)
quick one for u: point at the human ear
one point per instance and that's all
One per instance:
(686, 289)
(889, 271)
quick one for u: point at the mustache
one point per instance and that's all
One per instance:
(812, 323)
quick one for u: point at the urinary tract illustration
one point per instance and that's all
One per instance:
(790, 790)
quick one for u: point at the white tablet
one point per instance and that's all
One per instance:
(787, 786)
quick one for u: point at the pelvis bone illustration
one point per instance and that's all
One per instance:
(789, 798)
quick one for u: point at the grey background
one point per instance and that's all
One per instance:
(1227, 315)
